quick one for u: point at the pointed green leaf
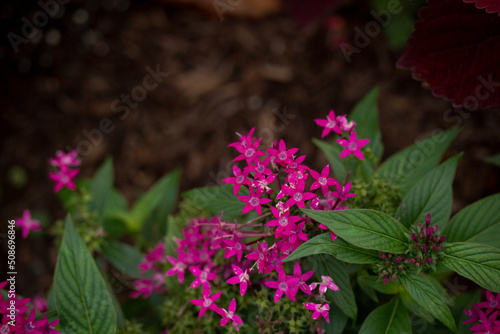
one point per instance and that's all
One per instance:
(163, 193)
(123, 257)
(424, 293)
(365, 285)
(102, 185)
(478, 263)
(414, 307)
(433, 194)
(217, 199)
(407, 167)
(80, 292)
(368, 229)
(326, 265)
(323, 244)
(478, 223)
(390, 318)
(494, 160)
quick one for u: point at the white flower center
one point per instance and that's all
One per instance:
(297, 197)
(203, 275)
(207, 302)
(352, 146)
(283, 286)
(254, 201)
(282, 155)
(240, 179)
(322, 181)
(283, 221)
(249, 152)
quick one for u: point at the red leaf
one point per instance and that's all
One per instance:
(455, 50)
(490, 6)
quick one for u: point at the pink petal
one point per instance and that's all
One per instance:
(232, 306)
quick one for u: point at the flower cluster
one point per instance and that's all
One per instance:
(19, 317)
(275, 184)
(152, 273)
(26, 223)
(485, 314)
(342, 127)
(64, 175)
(424, 252)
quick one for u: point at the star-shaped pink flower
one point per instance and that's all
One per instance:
(241, 278)
(284, 285)
(208, 302)
(283, 221)
(202, 276)
(27, 224)
(327, 283)
(63, 159)
(230, 316)
(281, 154)
(352, 146)
(492, 303)
(343, 191)
(322, 180)
(234, 247)
(254, 201)
(178, 268)
(329, 124)
(297, 195)
(239, 179)
(64, 178)
(297, 272)
(319, 309)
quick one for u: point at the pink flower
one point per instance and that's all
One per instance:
(353, 146)
(254, 201)
(284, 285)
(273, 260)
(260, 168)
(40, 304)
(207, 302)
(243, 138)
(492, 302)
(241, 278)
(178, 268)
(32, 326)
(487, 325)
(64, 178)
(27, 224)
(318, 309)
(202, 276)
(234, 247)
(343, 191)
(329, 124)
(282, 221)
(281, 154)
(249, 151)
(239, 179)
(297, 272)
(49, 328)
(297, 195)
(156, 254)
(63, 159)
(146, 286)
(260, 255)
(230, 316)
(327, 282)
(344, 124)
(322, 180)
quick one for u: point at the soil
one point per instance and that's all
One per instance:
(223, 77)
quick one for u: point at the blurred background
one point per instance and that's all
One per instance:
(164, 84)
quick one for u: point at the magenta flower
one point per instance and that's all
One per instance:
(239, 179)
(263, 182)
(281, 154)
(260, 168)
(297, 195)
(241, 278)
(156, 254)
(64, 178)
(322, 180)
(343, 191)
(318, 309)
(146, 286)
(283, 221)
(178, 268)
(202, 276)
(329, 124)
(327, 283)
(243, 138)
(27, 224)
(49, 328)
(344, 124)
(487, 325)
(273, 260)
(230, 316)
(260, 255)
(353, 146)
(234, 247)
(492, 302)
(284, 285)
(207, 302)
(40, 304)
(249, 151)
(63, 159)
(473, 314)
(297, 272)
(254, 201)
(32, 326)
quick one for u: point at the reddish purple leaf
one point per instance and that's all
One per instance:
(455, 50)
(490, 6)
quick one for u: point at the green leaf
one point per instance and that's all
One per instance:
(163, 194)
(390, 318)
(365, 286)
(338, 321)
(425, 294)
(80, 292)
(100, 190)
(434, 195)
(332, 153)
(323, 244)
(155, 228)
(478, 263)
(478, 222)
(326, 265)
(123, 257)
(494, 160)
(365, 228)
(408, 166)
(414, 307)
(217, 199)
(390, 288)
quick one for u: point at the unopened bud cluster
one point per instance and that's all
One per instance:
(424, 250)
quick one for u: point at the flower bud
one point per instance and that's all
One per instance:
(382, 256)
(386, 280)
(428, 220)
(442, 239)
(414, 237)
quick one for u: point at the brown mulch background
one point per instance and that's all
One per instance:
(225, 77)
